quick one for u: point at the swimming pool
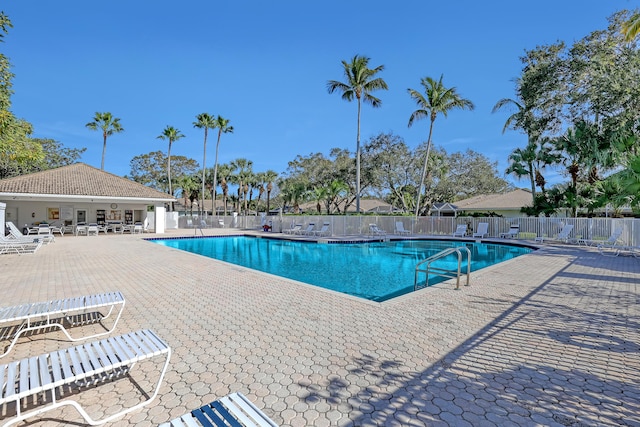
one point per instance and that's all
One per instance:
(377, 271)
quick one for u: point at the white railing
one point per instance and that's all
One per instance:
(354, 225)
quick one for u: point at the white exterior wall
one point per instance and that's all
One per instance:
(3, 207)
(29, 212)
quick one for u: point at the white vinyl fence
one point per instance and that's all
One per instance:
(354, 225)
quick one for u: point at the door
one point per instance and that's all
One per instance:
(81, 216)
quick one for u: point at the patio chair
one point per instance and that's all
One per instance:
(87, 364)
(138, 228)
(400, 228)
(307, 231)
(294, 229)
(16, 234)
(92, 229)
(374, 230)
(54, 314)
(482, 230)
(324, 230)
(562, 236)
(234, 410)
(461, 230)
(611, 241)
(514, 230)
(56, 228)
(19, 246)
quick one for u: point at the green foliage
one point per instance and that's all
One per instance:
(150, 169)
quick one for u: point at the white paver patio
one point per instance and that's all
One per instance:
(551, 338)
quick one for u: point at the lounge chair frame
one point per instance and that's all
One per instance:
(229, 410)
(47, 314)
(19, 246)
(400, 229)
(15, 233)
(87, 363)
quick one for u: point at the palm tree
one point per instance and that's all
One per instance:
(204, 121)
(108, 125)
(223, 127)
(243, 168)
(269, 177)
(360, 82)
(225, 172)
(172, 134)
(438, 100)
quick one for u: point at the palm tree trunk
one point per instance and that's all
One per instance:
(169, 175)
(104, 149)
(424, 170)
(204, 169)
(215, 169)
(358, 162)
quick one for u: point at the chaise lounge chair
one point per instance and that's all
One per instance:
(374, 230)
(400, 228)
(307, 231)
(562, 236)
(482, 231)
(514, 230)
(461, 230)
(232, 410)
(53, 314)
(294, 228)
(324, 230)
(611, 241)
(87, 364)
(15, 233)
(15, 246)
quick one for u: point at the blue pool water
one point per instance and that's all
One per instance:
(376, 271)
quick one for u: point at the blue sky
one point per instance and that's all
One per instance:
(264, 66)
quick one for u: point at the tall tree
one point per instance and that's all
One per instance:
(171, 134)
(269, 177)
(243, 169)
(18, 152)
(151, 169)
(204, 121)
(108, 125)
(438, 100)
(222, 125)
(360, 81)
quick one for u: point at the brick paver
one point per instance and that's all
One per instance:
(551, 338)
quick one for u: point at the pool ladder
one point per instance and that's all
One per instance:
(430, 269)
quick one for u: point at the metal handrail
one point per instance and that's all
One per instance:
(440, 271)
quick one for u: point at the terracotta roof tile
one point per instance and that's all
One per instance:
(79, 179)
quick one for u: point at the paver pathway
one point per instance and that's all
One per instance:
(551, 338)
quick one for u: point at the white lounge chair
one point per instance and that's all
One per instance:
(615, 250)
(461, 230)
(514, 230)
(374, 230)
(482, 230)
(15, 233)
(307, 230)
(19, 246)
(138, 228)
(562, 236)
(234, 410)
(47, 315)
(324, 230)
(400, 228)
(294, 229)
(89, 363)
(611, 241)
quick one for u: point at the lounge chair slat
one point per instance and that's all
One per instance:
(226, 413)
(12, 369)
(76, 365)
(64, 364)
(56, 368)
(3, 369)
(45, 374)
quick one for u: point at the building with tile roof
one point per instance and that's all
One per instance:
(504, 204)
(81, 193)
